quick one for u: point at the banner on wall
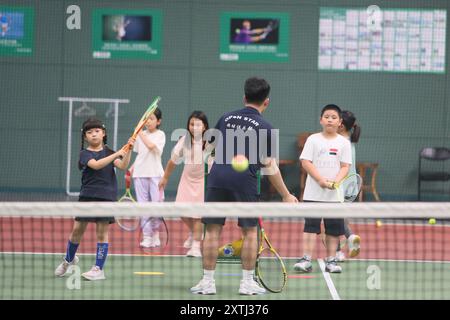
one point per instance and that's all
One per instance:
(388, 40)
(16, 31)
(257, 37)
(132, 34)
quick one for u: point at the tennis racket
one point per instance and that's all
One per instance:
(151, 108)
(163, 231)
(270, 268)
(349, 188)
(134, 223)
(272, 25)
(128, 223)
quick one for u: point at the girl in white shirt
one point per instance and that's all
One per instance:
(147, 173)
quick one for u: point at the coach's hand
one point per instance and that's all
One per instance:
(290, 198)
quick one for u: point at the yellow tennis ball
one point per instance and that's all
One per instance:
(379, 223)
(239, 163)
(432, 221)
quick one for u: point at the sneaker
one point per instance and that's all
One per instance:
(147, 242)
(156, 241)
(303, 264)
(151, 241)
(331, 266)
(94, 274)
(61, 270)
(340, 256)
(250, 287)
(194, 252)
(353, 245)
(205, 286)
(188, 243)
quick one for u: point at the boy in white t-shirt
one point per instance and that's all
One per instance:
(147, 173)
(326, 158)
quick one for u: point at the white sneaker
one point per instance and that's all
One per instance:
(340, 256)
(250, 287)
(147, 242)
(188, 243)
(353, 245)
(331, 265)
(303, 264)
(194, 252)
(61, 270)
(151, 241)
(155, 239)
(205, 286)
(94, 274)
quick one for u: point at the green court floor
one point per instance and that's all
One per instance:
(30, 276)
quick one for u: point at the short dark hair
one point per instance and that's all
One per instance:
(256, 90)
(158, 115)
(331, 107)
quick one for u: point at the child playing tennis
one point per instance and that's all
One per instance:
(147, 172)
(189, 149)
(98, 183)
(326, 158)
(350, 130)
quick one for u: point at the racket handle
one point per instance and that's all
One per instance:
(128, 179)
(260, 221)
(127, 147)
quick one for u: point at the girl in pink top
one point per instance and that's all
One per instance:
(189, 149)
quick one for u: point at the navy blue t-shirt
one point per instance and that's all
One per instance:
(98, 183)
(245, 132)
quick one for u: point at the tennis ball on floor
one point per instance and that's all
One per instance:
(378, 223)
(239, 163)
(432, 221)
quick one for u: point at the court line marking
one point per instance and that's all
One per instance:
(329, 281)
(93, 254)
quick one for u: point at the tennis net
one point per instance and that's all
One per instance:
(404, 252)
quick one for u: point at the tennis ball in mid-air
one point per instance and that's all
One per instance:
(239, 163)
(379, 223)
(432, 221)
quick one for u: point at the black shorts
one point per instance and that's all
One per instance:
(333, 227)
(94, 219)
(225, 195)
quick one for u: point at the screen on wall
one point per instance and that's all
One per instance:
(254, 37)
(374, 39)
(126, 34)
(16, 31)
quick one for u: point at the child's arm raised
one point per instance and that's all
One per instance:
(150, 145)
(123, 162)
(103, 162)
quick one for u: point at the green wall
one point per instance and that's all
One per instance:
(399, 113)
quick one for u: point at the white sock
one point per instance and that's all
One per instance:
(248, 274)
(208, 274)
(196, 244)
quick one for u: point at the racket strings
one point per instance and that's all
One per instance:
(271, 271)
